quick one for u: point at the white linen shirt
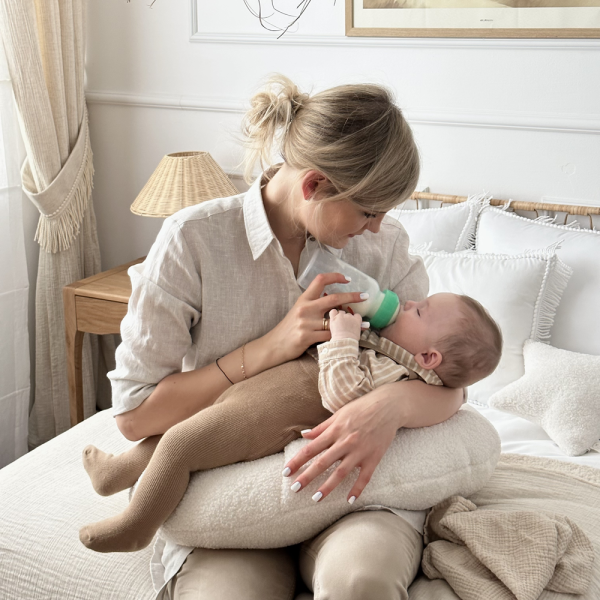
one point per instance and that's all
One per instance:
(215, 278)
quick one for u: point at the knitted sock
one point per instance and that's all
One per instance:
(110, 474)
(254, 418)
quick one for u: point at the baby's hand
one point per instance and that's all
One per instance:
(344, 325)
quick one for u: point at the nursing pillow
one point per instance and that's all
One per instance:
(250, 504)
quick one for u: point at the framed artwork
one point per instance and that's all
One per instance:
(474, 18)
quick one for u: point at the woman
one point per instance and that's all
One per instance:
(220, 283)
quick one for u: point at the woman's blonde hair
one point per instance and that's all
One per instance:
(353, 134)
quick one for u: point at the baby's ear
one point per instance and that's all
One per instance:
(429, 360)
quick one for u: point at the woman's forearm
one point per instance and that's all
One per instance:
(181, 395)
(173, 400)
(422, 405)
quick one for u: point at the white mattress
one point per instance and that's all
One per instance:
(519, 436)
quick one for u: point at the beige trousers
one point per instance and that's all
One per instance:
(367, 555)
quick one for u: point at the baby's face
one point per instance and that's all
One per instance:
(420, 325)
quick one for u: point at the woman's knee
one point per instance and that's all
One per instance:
(361, 584)
(367, 555)
(371, 580)
(235, 574)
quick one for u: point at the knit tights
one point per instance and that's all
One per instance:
(250, 420)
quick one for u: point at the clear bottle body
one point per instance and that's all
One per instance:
(323, 261)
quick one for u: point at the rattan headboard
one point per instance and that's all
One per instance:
(588, 211)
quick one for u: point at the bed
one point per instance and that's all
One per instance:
(46, 494)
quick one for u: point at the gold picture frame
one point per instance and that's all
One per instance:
(382, 18)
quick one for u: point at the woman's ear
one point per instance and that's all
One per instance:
(311, 183)
(429, 360)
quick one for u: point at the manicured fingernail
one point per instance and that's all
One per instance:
(317, 496)
(364, 296)
(296, 486)
(347, 278)
(305, 431)
(286, 472)
(351, 499)
(365, 324)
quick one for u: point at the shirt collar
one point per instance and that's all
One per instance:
(258, 229)
(370, 339)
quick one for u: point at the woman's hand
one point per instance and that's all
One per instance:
(303, 325)
(358, 435)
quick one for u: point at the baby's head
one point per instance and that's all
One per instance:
(452, 334)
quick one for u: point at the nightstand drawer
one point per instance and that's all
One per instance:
(99, 316)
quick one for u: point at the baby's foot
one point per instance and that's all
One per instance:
(115, 535)
(105, 474)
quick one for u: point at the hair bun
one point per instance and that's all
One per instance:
(277, 104)
(271, 113)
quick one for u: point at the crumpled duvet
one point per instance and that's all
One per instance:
(500, 555)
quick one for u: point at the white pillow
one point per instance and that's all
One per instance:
(521, 293)
(250, 504)
(576, 326)
(560, 391)
(446, 229)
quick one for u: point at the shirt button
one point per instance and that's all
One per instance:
(311, 238)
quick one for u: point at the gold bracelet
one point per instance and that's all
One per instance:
(243, 370)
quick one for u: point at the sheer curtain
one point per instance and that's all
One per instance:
(44, 41)
(14, 285)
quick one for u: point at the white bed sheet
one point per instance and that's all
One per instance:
(520, 436)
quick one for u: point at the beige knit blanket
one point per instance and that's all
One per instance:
(531, 532)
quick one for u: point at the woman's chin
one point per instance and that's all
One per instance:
(341, 242)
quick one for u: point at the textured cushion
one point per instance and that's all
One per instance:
(560, 391)
(576, 326)
(250, 505)
(447, 229)
(521, 293)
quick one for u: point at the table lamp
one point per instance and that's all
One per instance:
(182, 179)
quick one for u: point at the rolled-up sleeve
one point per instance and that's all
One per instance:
(165, 304)
(346, 374)
(341, 378)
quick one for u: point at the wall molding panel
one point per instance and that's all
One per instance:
(292, 39)
(160, 101)
(581, 124)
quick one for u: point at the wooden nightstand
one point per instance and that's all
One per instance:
(96, 304)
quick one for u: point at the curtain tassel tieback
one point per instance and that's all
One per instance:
(63, 203)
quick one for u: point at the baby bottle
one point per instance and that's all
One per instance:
(381, 308)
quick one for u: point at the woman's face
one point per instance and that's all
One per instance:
(331, 222)
(334, 223)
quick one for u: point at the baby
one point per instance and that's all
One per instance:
(445, 339)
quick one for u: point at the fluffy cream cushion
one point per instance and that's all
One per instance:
(560, 391)
(250, 505)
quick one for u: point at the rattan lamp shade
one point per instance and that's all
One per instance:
(182, 179)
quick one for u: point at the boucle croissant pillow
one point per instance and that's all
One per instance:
(560, 391)
(250, 504)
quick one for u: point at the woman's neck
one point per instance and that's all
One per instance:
(279, 199)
